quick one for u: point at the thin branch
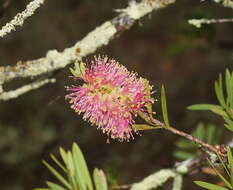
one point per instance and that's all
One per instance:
(160, 177)
(221, 150)
(24, 89)
(199, 22)
(99, 37)
(19, 19)
(215, 149)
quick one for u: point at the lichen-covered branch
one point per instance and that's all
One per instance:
(160, 177)
(225, 3)
(24, 89)
(19, 19)
(99, 37)
(199, 22)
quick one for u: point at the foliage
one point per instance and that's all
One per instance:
(186, 149)
(228, 170)
(164, 107)
(76, 171)
(224, 93)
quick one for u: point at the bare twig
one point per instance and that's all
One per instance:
(221, 150)
(99, 37)
(199, 22)
(215, 149)
(177, 172)
(22, 90)
(19, 19)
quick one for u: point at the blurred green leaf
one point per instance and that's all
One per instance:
(141, 127)
(57, 175)
(182, 155)
(219, 91)
(210, 134)
(184, 144)
(204, 107)
(54, 186)
(63, 155)
(164, 107)
(229, 87)
(76, 170)
(186, 149)
(58, 163)
(82, 170)
(209, 186)
(229, 124)
(71, 170)
(99, 180)
(200, 131)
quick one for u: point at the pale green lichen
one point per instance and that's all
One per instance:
(22, 90)
(19, 19)
(138, 10)
(198, 22)
(177, 183)
(157, 179)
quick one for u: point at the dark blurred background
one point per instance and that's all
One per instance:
(162, 47)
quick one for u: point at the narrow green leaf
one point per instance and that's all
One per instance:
(209, 186)
(79, 69)
(200, 131)
(74, 72)
(57, 175)
(204, 107)
(71, 169)
(219, 112)
(164, 107)
(211, 134)
(230, 112)
(184, 144)
(41, 189)
(230, 161)
(230, 127)
(58, 163)
(63, 155)
(54, 186)
(219, 91)
(182, 155)
(81, 167)
(217, 136)
(229, 123)
(145, 117)
(224, 165)
(210, 107)
(220, 175)
(100, 180)
(229, 86)
(142, 127)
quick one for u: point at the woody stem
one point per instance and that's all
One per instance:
(203, 144)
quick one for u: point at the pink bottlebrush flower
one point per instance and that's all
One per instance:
(110, 97)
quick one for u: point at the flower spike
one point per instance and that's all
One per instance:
(110, 97)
